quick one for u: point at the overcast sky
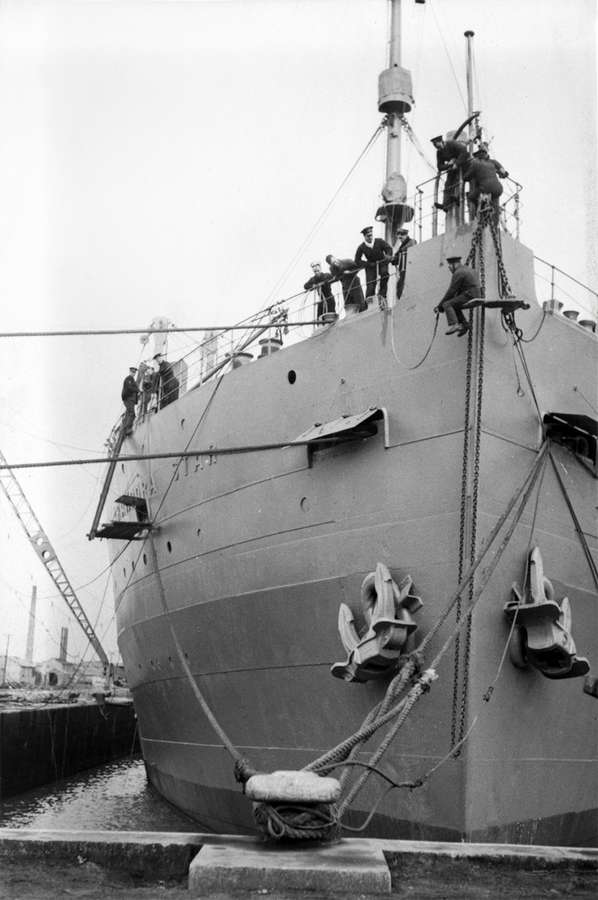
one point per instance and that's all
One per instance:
(170, 158)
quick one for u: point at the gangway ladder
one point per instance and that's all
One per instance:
(40, 542)
(123, 530)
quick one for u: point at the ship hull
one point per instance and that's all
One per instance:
(237, 588)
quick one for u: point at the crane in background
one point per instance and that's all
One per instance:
(40, 542)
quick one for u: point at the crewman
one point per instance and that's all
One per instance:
(169, 385)
(482, 174)
(129, 396)
(320, 281)
(347, 273)
(374, 254)
(464, 286)
(149, 379)
(453, 158)
(400, 258)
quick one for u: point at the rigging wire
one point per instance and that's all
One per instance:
(210, 451)
(11, 427)
(519, 499)
(537, 331)
(490, 689)
(440, 32)
(583, 396)
(426, 354)
(321, 217)
(119, 331)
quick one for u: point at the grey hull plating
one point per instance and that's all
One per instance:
(254, 553)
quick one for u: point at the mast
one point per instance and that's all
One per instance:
(395, 98)
(469, 80)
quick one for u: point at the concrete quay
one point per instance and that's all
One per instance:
(94, 864)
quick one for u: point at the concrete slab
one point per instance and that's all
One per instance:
(515, 855)
(350, 867)
(146, 855)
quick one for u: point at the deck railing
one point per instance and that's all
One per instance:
(221, 351)
(428, 220)
(559, 292)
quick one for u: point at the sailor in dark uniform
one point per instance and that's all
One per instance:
(374, 254)
(453, 158)
(347, 273)
(464, 286)
(169, 385)
(129, 396)
(400, 258)
(320, 281)
(482, 175)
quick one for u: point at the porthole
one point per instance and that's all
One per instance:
(124, 573)
(292, 376)
(199, 532)
(305, 504)
(132, 565)
(182, 423)
(144, 560)
(169, 546)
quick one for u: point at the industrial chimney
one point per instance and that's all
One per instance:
(64, 637)
(31, 627)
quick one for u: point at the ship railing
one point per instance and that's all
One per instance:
(428, 219)
(220, 351)
(559, 292)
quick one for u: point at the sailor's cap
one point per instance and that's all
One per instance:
(367, 228)
(438, 137)
(450, 259)
(132, 368)
(158, 356)
(403, 231)
(316, 262)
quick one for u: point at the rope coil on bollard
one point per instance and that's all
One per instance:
(316, 822)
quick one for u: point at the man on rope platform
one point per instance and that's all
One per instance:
(464, 286)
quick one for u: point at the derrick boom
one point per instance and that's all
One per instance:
(40, 542)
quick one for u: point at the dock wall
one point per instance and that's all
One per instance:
(39, 745)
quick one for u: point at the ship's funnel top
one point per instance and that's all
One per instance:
(395, 92)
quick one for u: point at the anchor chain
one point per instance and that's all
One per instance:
(504, 288)
(459, 707)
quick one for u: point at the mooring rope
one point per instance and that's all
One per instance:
(342, 750)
